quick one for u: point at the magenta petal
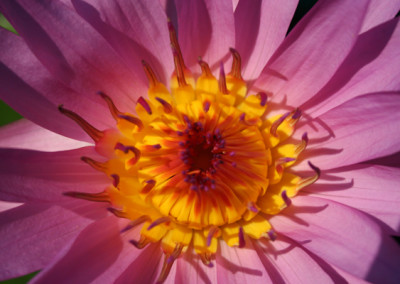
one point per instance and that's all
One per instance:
(190, 269)
(144, 22)
(361, 129)
(32, 234)
(92, 252)
(234, 265)
(379, 12)
(139, 266)
(288, 262)
(341, 236)
(4, 205)
(313, 51)
(44, 176)
(260, 27)
(87, 64)
(144, 35)
(27, 135)
(206, 29)
(371, 66)
(369, 188)
(33, 92)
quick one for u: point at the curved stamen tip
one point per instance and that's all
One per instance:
(205, 68)
(252, 207)
(263, 98)
(115, 178)
(276, 123)
(167, 107)
(151, 76)
(94, 164)
(304, 137)
(206, 106)
(111, 106)
(211, 234)
(206, 259)
(158, 222)
(222, 80)
(168, 262)
(145, 105)
(271, 235)
(315, 169)
(148, 187)
(286, 198)
(98, 197)
(134, 223)
(116, 212)
(236, 64)
(296, 114)
(132, 119)
(242, 242)
(93, 132)
(140, 244)
(126, 149)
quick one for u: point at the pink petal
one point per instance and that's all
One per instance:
(90, 254)
(341, 236)
(142, 266)
(4, 206)
(136, 30)
(379, 12)
(313, 51)
(287, 262)
(32, 234)
(348, 277)
(260, 27)
(44, 176)
(361, 129)
(370, 67)
(190, 269)
(24, 134)
(234, 265)
(87, 63)
(32, 91)
(369, 188)
(206, 29)
(133, 265)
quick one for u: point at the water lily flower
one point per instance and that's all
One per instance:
(193, 142)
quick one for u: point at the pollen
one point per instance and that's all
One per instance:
(198, 163)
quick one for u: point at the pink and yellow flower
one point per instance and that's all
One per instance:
(192, 142)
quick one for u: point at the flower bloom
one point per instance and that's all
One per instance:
(203, 145)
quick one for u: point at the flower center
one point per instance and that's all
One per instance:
(199, 163)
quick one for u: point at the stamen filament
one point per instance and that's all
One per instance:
(275, 125)
(113, 109)
(158, 222)
(98, 197)
(145, 105)
(167, 107)
(236, 64)
(133, 120)
(115, 178)
(222, 80)
(286, 199)
(151, 76)
(94, 164)
(205, 68)
(132, 224)
(94, 133)
(168, 262)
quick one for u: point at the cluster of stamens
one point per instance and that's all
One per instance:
(197, 164)
(202, 152)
